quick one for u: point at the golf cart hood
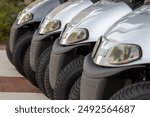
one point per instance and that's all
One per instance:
(40, 8)
(96, 19)
(132, 29)
(66, 11)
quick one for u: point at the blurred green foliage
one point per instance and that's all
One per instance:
(9, 10)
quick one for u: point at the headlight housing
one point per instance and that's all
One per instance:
(117, 54)
(76, 35)
(24, 17)
(122, 54)
(49, 26)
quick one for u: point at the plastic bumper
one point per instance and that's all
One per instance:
(60, 56)
(38, 44)
(101, 82)
(15, 31)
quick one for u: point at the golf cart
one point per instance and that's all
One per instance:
(23, 29)
(37, 56)
(120, 59)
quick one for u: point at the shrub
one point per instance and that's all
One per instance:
(8, 12)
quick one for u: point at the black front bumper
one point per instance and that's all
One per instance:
(19, 30)
(99, 82)
(60, 56)
(14, 34)
(38, 45)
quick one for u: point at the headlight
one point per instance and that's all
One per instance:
(76, 35)
(122, 54)
(49, 26)
(24, 17)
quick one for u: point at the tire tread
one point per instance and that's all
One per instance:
(75, 91)
(132, 91)
(19, 51)
(41, 68)
(74, 65)
(47, 85)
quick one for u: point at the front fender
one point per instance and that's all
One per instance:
(60, 57)
(100, 82)
(39, 11)
(60, 49)
(38, 44)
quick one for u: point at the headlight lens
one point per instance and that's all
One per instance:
(122, 54)
(49, 26)
(24, 17)
(76, 35)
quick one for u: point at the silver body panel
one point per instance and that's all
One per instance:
(132, 29)
(66, 11)
(41, 9)
(96, 19)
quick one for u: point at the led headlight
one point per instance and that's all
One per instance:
(122, 54)
(49, 26)
(24, 17)
(76, 35)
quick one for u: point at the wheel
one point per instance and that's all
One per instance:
(8, 53)
(75, 91)
(69, 74)
(41, 67)
(47, 85)
(137, 91)
(19, 51)
(30, 74)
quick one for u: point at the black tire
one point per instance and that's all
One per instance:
(47, 85)
(75, 91)
(30, 74)
(41, 67)
(19, 51)
(8, 53)
(137, 91)
(69, 74)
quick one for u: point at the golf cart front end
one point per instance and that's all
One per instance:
(119, 58)
(30, 18)
(67, 48)
(51, 27)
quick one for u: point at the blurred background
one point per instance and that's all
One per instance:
(8, 13)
